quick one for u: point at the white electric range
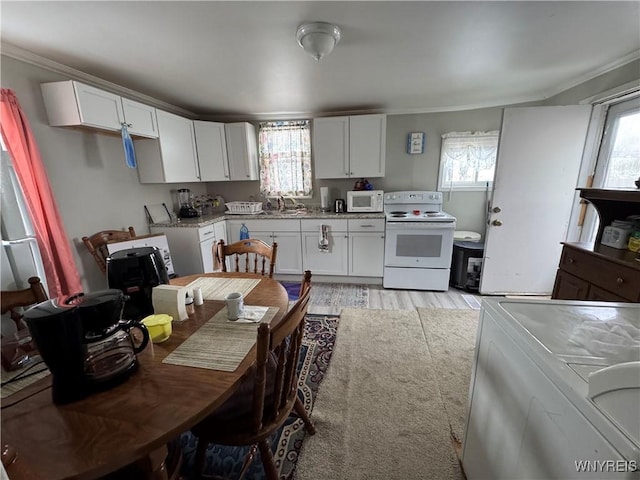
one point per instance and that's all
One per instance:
(418, 241)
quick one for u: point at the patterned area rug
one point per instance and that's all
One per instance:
(226, 462)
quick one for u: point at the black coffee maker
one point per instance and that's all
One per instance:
(84, 343)
(136, 271)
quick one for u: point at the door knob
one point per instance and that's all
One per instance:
(497, 209)
(497, 223)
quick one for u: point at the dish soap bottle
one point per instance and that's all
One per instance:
(244, 232)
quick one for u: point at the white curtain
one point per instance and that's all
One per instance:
(468, 159)
(285, 158)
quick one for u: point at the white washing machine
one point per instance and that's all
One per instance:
(555, 391)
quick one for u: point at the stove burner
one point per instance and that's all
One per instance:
(398, 213)
(434, 214)
(431, 211)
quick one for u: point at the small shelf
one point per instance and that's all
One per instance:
(612, 204)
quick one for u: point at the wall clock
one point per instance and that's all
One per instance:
(415, 143)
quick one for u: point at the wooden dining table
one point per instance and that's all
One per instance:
(133, 421)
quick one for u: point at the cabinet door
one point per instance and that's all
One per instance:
(367, 145)
(212, 151)
(600, 295)
(242, 151)
(141, 118)
(206, 255)
(178, 148)
(331, 147)
(366, 254)
(289, 257)
(333, 262)
(99, 108)
(568, 287)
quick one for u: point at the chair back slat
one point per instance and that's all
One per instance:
(10, 300)
(97, 244)
(255, 254)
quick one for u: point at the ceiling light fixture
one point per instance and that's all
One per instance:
(318, 38)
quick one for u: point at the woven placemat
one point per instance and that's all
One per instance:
(219, 344)
(32, 375)
(214, 288)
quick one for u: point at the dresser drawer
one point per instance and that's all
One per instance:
(613, 277)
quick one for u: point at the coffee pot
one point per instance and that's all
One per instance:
(84, 342)
(110, 343)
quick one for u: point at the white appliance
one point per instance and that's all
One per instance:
(418, 241)
(555, 391)
(159, 241)
(359, 201)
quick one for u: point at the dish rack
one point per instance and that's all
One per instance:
(244, 208)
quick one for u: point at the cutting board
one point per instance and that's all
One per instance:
(158, 213)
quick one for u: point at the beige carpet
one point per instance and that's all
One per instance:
(379, 412)
(451, 336)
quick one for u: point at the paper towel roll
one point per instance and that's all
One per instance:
(324, 198)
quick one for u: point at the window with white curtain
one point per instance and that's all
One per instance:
(285, 158)
(467, 160)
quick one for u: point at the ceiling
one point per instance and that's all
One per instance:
(239, 58)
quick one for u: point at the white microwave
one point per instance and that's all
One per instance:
(364, 201)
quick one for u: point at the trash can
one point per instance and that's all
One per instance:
(466, 265)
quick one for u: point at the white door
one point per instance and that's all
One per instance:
(537, 168)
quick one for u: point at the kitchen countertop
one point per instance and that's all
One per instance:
(265, 215)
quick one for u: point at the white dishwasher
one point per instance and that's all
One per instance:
(555, 391)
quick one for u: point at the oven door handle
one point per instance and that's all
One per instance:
(421, 225)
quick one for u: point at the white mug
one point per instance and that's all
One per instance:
(235, 305)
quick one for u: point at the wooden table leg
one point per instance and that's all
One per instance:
(154, 465)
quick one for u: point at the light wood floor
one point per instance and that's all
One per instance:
(388, 299)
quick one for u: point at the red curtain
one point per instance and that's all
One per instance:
(60, 268)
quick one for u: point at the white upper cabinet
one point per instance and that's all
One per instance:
(346, 147)
(172, 157)
(140, 118)
(331, 147)
(71, 103)
(367, 145)
(242, 151)
(212, 151)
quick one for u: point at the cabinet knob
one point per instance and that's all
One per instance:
(248, 176)
(570, 260)
(620, 280)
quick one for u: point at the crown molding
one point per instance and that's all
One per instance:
(25, 56)
(621, 62)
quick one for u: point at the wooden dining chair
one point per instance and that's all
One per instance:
(97, 244)
(254, 252)
(11, 300)
(265, 398)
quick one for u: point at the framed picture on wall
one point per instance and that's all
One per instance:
(415, 143)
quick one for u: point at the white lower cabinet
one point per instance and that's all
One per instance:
(192, 248)
(331, 262)
(366, 247)
(286, 233)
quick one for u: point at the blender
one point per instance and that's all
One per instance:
(186, 207)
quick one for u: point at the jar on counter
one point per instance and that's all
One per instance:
(188, 303)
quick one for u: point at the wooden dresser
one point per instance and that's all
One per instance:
(597, 272)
